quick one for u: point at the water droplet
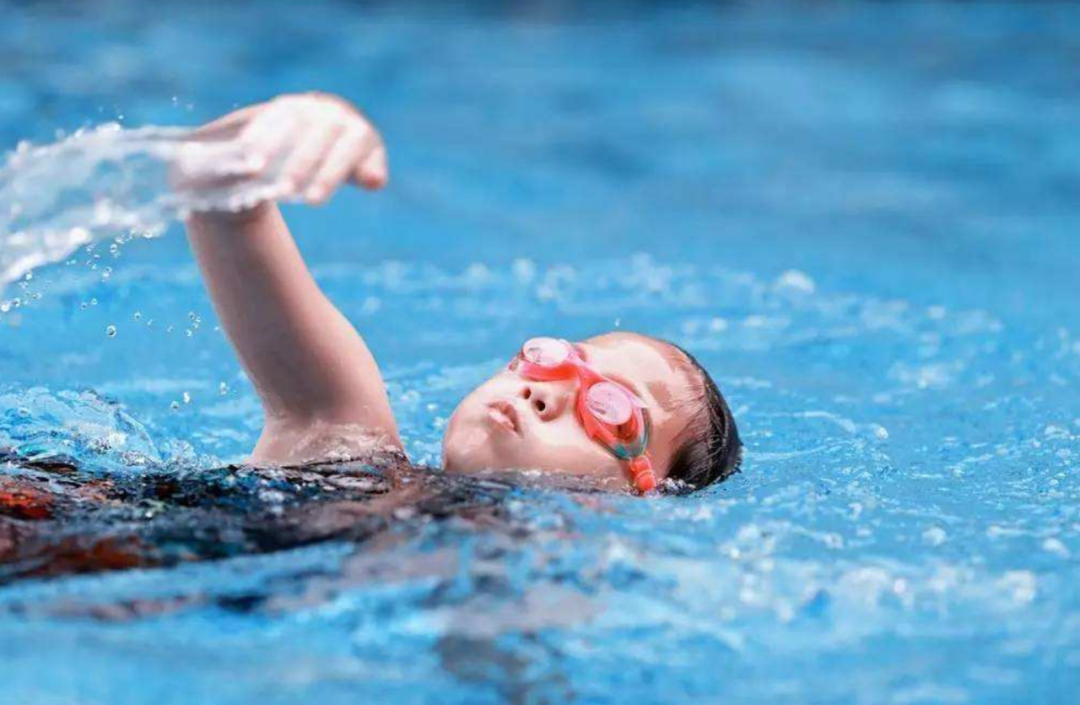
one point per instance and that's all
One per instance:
(223, 389)
(175, 406)
(111, 331)
(137, 316)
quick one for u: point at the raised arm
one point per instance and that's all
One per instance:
(322, 393)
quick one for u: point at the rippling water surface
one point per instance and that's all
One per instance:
(862, 219)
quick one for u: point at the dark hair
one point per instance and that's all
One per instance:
(710, 450)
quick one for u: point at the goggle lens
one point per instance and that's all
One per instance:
(610, 404)
(546, 352)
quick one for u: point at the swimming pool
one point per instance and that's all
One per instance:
(861, 218)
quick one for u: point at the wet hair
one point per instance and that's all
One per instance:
(709, 450)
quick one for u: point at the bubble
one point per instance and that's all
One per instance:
(477, 274)
(110, 331)
(223, 389)
(524, 270)
(795, 280)
(187, 398)
(1053, 545)
(1020, 585)
(934, 536)
(175, 406)
(371, 305)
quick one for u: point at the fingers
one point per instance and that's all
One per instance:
(373, 172)
(269, 134)
(304, 162)
(354, 145)
(230, 124)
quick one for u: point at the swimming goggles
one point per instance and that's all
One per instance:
(610, 413)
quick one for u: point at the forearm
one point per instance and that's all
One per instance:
(305, 359)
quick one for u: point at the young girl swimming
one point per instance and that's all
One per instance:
(618, 408)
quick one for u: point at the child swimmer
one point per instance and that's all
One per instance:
(617, 409)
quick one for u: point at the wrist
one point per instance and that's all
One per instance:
(241, 217)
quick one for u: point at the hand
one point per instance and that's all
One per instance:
(308, 145)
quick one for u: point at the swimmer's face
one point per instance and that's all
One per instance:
(513, 423)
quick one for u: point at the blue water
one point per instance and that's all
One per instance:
(861, 217)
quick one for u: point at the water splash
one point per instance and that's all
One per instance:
(39, 424)
(110, 182)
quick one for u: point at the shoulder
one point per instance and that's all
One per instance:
(321, 442)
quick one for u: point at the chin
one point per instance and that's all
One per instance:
(466, 446)
(471, 461)
(457, 462)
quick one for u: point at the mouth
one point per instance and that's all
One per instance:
(505, 416)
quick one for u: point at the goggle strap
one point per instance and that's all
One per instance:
(642, 470)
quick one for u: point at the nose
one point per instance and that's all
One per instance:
(548, 399)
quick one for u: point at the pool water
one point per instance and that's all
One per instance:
(861, 217)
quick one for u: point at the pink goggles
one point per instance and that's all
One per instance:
(610, 413)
